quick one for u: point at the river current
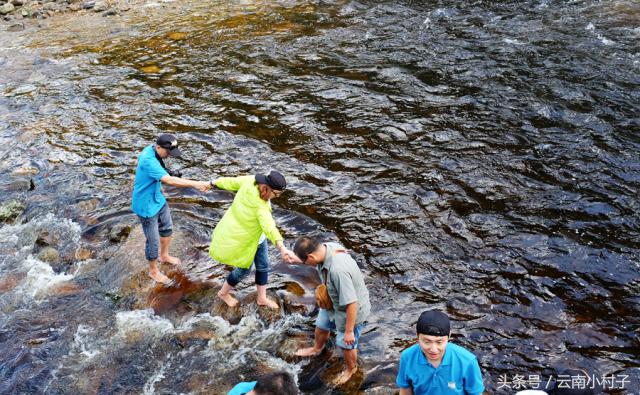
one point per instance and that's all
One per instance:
(481, 158)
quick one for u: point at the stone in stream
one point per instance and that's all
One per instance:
(16, 27)
(47, 239)
(100, 6)
(7, 8)
(49, 255)
(21, 185)
(11, 210)
(119, 232)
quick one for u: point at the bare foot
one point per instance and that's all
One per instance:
(158, 276)
(228, 299)
(344, 376)
(308, 352)
(170, 259)
(269, 303)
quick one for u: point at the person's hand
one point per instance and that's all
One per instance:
(203, 186)
(289, 256)
(349, 338)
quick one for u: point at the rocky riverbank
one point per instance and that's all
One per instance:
(17, 13)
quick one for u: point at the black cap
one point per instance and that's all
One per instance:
(275, 180)
(433, 323)
(168, 142)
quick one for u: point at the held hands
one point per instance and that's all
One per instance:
(289, 256)
(203, 186)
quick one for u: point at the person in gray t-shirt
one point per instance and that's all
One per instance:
(348, 294)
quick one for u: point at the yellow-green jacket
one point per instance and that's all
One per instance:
(235, 239)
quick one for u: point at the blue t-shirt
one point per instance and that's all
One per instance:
(147, 197)
(458, 373)
(242, 388)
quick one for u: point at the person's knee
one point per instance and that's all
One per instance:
(166, 232)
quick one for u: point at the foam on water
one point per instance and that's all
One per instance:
(40, 279)
(82, 340)
(149, 386)
(144, 321)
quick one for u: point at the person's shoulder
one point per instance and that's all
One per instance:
(410, 351)
(146, 154)
(461, 352)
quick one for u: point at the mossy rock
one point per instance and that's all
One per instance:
(11, 210)
(49, 255)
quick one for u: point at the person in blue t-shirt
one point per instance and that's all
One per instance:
(150, 205)
(277, 383)
(436, 366)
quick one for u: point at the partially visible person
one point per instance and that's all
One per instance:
(277, 383)
(150, 205)
(240, 238)
(435, 365)
(349, 305)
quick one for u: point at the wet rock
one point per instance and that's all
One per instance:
(83, 254)
(7, 8)
(16, 27)
(129, 260)
(64, 289)
(390, 133)
(11, 210)
(26, 170)
(292, 343)
(49, 255)
(10, 281)
(21, 184)
(196, 334)
(17, 2)
(22, 90)
(36, 341)
(231, 314)
(86, 206)
(119, 232)
(87, 5)
(47, 239)
(266, 314)
(100, 6)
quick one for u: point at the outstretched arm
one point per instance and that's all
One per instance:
(202, 186)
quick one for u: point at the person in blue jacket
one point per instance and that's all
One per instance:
(151, 206)
(277, 383)
(436, 366)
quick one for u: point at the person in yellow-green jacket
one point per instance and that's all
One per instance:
(240, 238)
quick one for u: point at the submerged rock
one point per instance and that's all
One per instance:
(7, 8)
(11, 210)
(47, 239)
(49, 255)
(119, 232)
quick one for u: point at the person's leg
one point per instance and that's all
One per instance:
(322, 333)
(152, 235)
(165, 229)
(232, 280)
(261, 261)
(350, 353)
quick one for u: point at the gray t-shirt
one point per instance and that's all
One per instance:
(345, 285)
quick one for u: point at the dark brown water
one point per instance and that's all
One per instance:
(481, 158)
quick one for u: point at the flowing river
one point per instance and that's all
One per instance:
(481, 158)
